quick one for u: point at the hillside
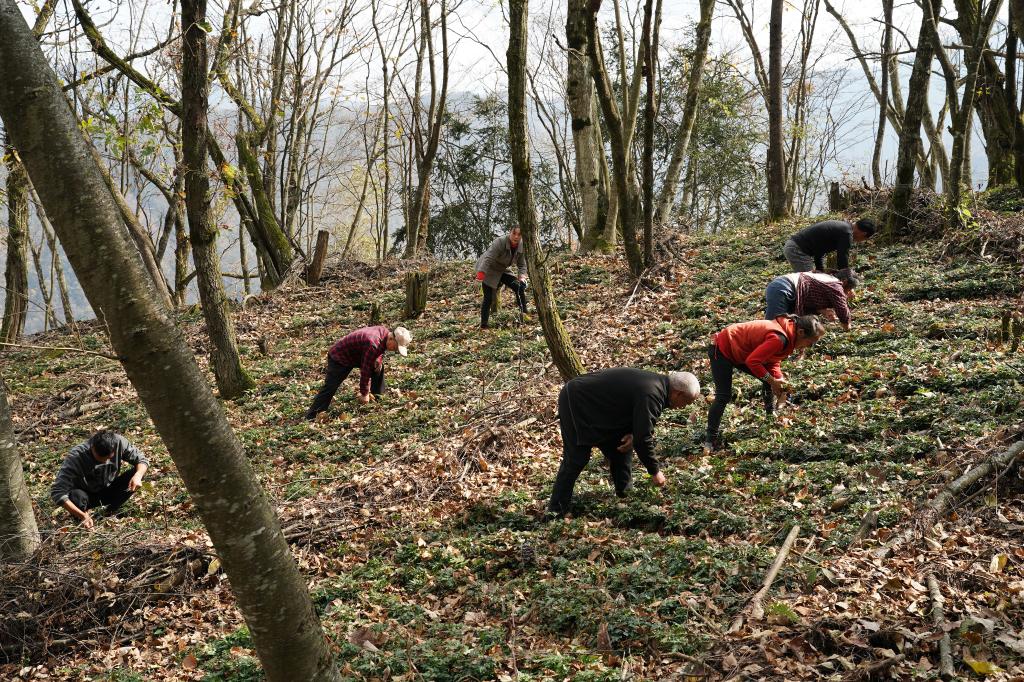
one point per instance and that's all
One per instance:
(418, 520)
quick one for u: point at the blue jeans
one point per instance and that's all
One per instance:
(780, 298)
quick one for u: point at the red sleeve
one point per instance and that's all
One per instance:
(480, 275)
(763, 360)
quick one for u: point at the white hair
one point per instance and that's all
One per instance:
(685, 383)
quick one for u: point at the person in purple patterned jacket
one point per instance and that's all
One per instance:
(812, 293)
(364, 348)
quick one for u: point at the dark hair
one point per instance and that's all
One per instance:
(514, 227)
(810, 325)
(849, 278)
(104, 442)
(867, 226)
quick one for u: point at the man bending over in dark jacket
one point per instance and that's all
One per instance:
(614, 410)
(90, 476)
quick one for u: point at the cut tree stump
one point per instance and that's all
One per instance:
(416, 293)
(376, 316)
(319, 256)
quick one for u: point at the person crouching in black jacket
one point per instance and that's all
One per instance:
(614, 410)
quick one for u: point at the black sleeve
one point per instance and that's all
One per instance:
(842, 257)
(646, 410)
(819, 262)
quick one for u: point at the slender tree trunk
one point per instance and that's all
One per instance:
(910, 135)
(19, 535)
(591, 183)
(1017, 20)
(271, 593)
(627, 193)
(681, 146)
(777, 205)
(557, 338)
(138, 233)
(16, 272)
(232, 379)
(883, 76)
(649, 47)
(54, 246)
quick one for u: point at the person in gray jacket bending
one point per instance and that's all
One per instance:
(492, 271)
(90, 476)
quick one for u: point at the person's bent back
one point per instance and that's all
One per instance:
(806, 250)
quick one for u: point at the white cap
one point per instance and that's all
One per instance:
(403, 338)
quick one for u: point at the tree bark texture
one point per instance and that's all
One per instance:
(316, 267)
(232, 380)
(16, 270)
(562, 352)
(627, 193)
(19, 535)
(910, 134)
(681, 145)
(271, 593)
(1017, 19)
(591, 182)
(416, 285)
(649, 47)
(876, 154)
(777, 205)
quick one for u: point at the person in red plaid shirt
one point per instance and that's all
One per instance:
(812, 293)
(364, 348)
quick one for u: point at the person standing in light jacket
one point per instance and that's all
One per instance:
(758, 349)
(492, 271)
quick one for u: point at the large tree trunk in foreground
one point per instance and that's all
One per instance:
(557, 338)
(591, 181)
(19, 535)
(777, 204)
(232, 379)
(667, 197)
(16, 270)
(271, 593)
(910, 133)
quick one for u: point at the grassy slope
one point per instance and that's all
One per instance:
(432, 562)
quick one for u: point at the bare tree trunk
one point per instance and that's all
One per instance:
(910, 135)
(138, 234)
(627, 193)
(876, 155)
(777, 205)
(16, 272)
(557, 338)
(666, 199)
(19, 535)
(54, 246)
(591, 183)
(232, 379)
(1017, 20)
(271, 593)
(649, 47)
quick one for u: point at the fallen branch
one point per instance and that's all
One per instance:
(756, 606)
(939, 620)
(101, 354)
(945, 501)
(870, 671)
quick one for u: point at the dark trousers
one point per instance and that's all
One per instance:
(575, 458)
(334, 375)
(113, 496)
(721, 372)
(513, 283)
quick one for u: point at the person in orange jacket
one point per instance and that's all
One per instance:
(758, 349)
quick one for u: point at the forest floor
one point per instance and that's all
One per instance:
(418, 519)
